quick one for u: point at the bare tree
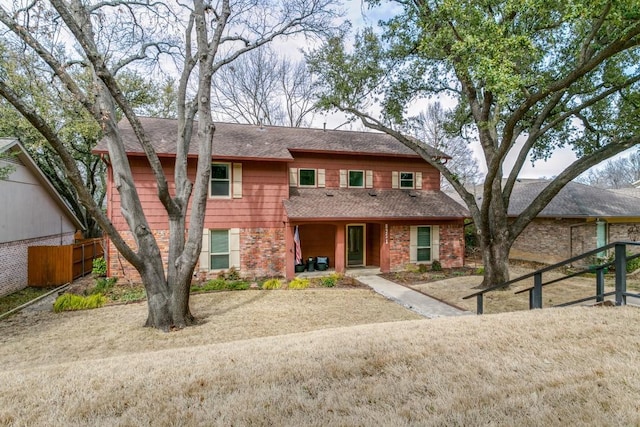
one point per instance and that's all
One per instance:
(264, 88)
(430, 127)
(109, 37)
(617, 173)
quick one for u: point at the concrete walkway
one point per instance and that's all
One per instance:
(413, 300)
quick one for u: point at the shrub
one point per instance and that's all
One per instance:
(103, 285)
(233, 274)
(99, 267)
(436, 266)
(633, 264)
(422, 268)
(71, 302)
(299, 283)
(328, 282)
(479, 271)
(221, 285)
(272, 284)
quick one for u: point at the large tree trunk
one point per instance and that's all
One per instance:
(495, 256)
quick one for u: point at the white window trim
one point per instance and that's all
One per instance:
(229, 181)
(315, 178)
(413, 180)
(349, 178)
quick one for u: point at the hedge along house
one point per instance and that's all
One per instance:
(578, 219)
(357, 198)
(32, 214)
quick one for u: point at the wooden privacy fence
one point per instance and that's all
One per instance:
(57, 265)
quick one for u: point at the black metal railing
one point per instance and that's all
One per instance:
(619, 263)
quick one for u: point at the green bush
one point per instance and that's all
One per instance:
(299, 283)
(272, 284)
(479, 271)
(328, 282)
(221, 285)
(71, 302)
(633, 264)
(103, 285)
(436, 266)
(99, 267)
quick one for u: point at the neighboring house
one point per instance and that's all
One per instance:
(580, 218)
(32, 213)
(358, 198)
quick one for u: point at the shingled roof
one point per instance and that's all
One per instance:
(234, 140)
(350, 203)
(573, 201)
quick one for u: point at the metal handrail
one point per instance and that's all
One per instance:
(535, 292)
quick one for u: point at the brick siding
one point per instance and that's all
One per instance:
(399, 252)
(451, 245)
(550, 241)
(262, 252)
(261, 255)
(13, 258)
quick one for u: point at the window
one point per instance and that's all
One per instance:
(356, 179)
(219, 249)
(424, 244)
(220, 180)
(406, 180)
(307, 177)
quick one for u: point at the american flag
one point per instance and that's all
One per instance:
(296, 241)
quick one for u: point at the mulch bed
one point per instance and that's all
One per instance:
(414, 277)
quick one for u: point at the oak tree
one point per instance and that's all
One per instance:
(526, 76)
(110, 37)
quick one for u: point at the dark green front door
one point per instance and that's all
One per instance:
(355, 246)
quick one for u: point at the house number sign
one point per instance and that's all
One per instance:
(386, 234)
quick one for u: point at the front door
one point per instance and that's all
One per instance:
(355, 245)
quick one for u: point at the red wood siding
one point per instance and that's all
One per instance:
(264, 186)
(382, 168)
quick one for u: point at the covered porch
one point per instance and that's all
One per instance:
(345, 245)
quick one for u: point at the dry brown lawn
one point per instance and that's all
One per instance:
(453, 290)
(320, 358)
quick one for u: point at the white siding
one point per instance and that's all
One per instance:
(27, 210)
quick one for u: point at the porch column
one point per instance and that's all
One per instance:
(385, 260)
(340, 248)
(289, 263)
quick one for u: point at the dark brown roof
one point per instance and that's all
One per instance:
(319, 203)
(233, 140)
(573, 201)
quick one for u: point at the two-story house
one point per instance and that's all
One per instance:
(357, 198)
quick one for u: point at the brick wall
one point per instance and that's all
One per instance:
(399, 239)
(550, 240)
(452, 245)
(261, 254)
(13, 258)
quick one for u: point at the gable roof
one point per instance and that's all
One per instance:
(232, 140)
(352, 203)
(575, 200)
(12, 145)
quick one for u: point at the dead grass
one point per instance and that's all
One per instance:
(289, 358)
(454, 289)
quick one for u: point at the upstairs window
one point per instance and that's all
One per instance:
(220, 180)
(307, 177)
(356, 179)
(406, 180)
